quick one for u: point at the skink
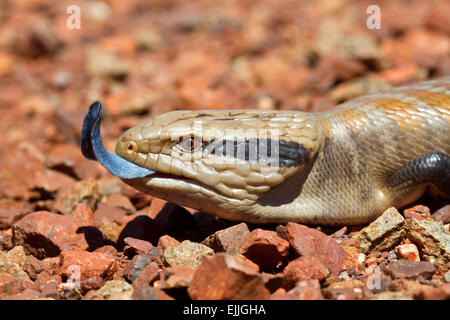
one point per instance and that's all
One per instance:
(343, 166)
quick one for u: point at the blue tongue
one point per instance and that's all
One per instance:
(93, 149)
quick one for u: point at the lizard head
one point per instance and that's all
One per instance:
(220, 162)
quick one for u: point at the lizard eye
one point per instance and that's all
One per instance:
(190, 143)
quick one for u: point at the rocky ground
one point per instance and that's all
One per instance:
(69, 230)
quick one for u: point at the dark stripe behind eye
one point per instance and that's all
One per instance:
(290, 153)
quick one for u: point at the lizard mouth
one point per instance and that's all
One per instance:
(170, 176)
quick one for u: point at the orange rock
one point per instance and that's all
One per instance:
(304, 268)
(227, 277)
(407, 251)
(87, 264)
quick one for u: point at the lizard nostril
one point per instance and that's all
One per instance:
(132, 146)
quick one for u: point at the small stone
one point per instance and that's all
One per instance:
(9, 216)
(410, 269)
(306, 290)
(82, 191)
(150, 293)
(177, 277)
(87, 264)
(27, 294)
(343, 293)
(116, 290)
(407, 251)
(108, 249)
(304, 268)
(136, 265)
(122, 202)
(347, 284)
(311, 242)
(352, 259)
(8, 285)
(91, 283)
(442, 215)
(12, 265)
(227, 239)
(105, 64)
(187, 253)
(431, 239)
(108, 213)
(273, 281)
(166, 241)
(6, 239)
(418, 212)
(440, 293)
(226, 277)
(146, 277)
(110, 230)
(383, 233)
(265, 248)
(140, 246)
(51, 265)
(45, 234)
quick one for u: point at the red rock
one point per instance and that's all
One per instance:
(304, 268)
(440, 16)
(8, 285)
(43, 278)
(51, 265)
(140, 246)
(136, 265)
(265, 248)
(9, 216)
(91, 283)
(177, 277)
(418, 212)
(82, 191)
(306, 290)
(427, 47)
(45, 234)
(140, 200)
(410, 269)
(108, 213)
(311, 242)
(6, 239)
(352, 258)
(227, 277)
(146, 277)
(439, 293)
(407, 251)
(110, 231)
(402, 74)
(227, 239)
(273, 281)
(88, 264)
(150, 293)
(67, 159)
(442, 215)
(281, 294)
(27, 294)
(122, 202)
(165, 242)
(108, 249)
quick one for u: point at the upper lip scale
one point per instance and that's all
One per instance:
(93, 149)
